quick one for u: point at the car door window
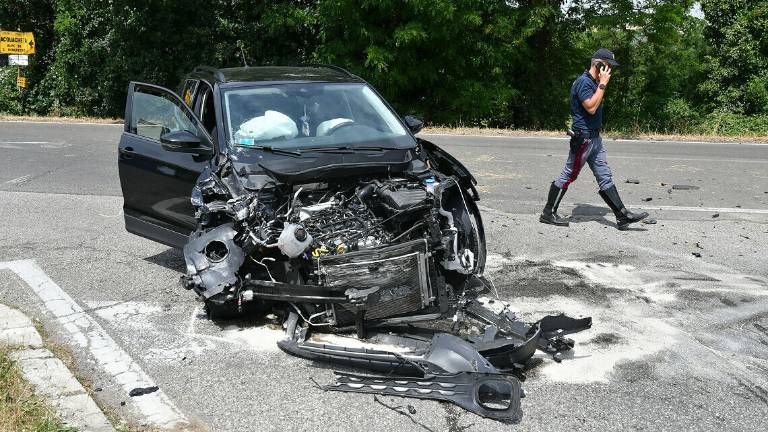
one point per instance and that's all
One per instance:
(155, 113)
(188, 92)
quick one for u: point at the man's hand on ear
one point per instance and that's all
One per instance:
(605, 74)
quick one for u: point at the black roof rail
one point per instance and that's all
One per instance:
(216, 72)
(334, 67)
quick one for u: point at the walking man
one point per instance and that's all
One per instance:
(587, 146)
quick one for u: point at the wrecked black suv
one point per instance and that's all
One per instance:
(298, 191)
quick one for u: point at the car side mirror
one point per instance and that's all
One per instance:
(184, 142)
(414, 123)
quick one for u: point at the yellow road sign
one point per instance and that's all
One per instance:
(21, 82)
(17, 42)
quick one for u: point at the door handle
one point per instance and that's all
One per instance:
(127, 152)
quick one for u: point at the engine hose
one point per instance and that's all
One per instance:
(408, 231)
(298, 311)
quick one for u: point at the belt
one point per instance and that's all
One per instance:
(588, 133)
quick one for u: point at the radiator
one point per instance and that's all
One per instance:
(395, 279)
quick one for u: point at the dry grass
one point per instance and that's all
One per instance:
(20, 408)
(609, 135)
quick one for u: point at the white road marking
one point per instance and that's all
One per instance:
(644, 206)
(763, 161)
(20, 180)
(119, 213)
(23, 145)
(534, 137)
(192, 319)
(494, 136)
(86, 332)
(62, 122)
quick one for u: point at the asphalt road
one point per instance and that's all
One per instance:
(679, 342)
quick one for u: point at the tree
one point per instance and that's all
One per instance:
(737, 32)
(33, 16)
(101, 46)
(507, 63)
(475, 62)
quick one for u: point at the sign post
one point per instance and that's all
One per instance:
(21, 81)
(18, 60)
(18, 46)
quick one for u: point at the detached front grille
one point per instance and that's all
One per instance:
(394, 279)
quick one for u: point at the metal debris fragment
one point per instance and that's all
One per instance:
(139, 391)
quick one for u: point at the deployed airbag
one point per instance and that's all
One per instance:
(271, 125)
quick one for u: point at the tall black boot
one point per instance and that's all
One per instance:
(549, 214)
(624, 217)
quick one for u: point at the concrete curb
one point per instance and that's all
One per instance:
(17, 329)
(50, 376)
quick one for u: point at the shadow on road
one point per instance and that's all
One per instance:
(589, 210)
(588, 213)
(172, 259)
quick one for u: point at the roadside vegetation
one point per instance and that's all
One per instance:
(469, 63)
(611, 134)
(21, 410)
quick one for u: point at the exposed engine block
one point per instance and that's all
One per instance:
(379, 242)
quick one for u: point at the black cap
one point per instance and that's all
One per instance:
(300, 234)
(606, 55)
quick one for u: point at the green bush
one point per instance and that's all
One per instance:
(679, 117)
(10, 97)
(726, 123)
(492, 63)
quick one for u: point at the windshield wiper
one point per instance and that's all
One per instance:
(328, 149)
(377, 148)
(271, 149)
(343, 149)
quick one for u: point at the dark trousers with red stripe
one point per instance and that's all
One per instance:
(589, 151)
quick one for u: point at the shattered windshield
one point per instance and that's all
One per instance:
(311, 115)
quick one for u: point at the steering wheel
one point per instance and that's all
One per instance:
(335, 128)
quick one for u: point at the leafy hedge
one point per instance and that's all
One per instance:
(496, 63)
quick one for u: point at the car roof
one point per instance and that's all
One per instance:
(319, 73)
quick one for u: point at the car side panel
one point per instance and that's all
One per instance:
(157, 186)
